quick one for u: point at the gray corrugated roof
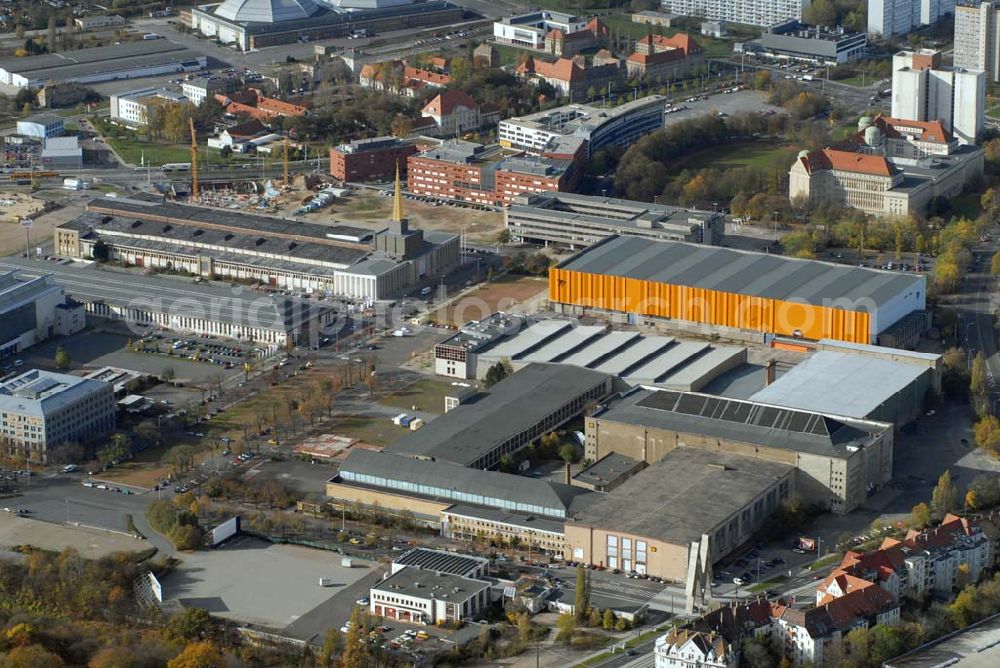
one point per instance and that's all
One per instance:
(534, 335)
(681, 497)
(40, 393)
(740, 272)
(427, 584)
(515, 404)
(606, 345)
(459, 479)
(862, 384)
(181, 298)
(575, 338)
(607, 469)
(743, 421)
(126, 51)
(440, 561)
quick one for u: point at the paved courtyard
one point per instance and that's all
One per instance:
(234, 580)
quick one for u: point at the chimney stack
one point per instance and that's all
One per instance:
(769, 372)
(568, 480)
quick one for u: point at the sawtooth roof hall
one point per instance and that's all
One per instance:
(732, 289)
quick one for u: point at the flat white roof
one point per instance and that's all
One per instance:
(860, 384)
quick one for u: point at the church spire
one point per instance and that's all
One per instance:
(397, 200)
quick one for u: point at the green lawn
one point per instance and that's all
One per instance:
(993, 112)
(828, 560)
(132, 150)
(426, 394)
(856, 80)
(509, 55)
(766, 584)
(842, 132)
(740, 154)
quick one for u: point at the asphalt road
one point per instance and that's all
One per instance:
(61, 498)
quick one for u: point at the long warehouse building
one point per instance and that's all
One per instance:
(578, 221)
(724, 291)
(104, 63)
(346, 261)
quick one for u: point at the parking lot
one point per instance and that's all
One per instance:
(96, 348)
(233, 580)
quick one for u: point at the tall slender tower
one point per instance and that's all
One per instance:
(397, 200)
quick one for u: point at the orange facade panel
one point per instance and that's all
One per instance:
(725, 309)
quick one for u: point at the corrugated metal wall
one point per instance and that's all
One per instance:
(725, 309)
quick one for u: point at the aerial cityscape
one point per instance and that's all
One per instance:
(591, 333)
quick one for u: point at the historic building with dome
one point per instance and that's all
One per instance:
(252, 24)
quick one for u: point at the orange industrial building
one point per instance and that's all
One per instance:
(715, 289)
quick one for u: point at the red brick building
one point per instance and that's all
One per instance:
(461, 170)
(369, 159)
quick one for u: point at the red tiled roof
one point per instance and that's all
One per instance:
(561, 70)
(929, 131)
(860, 603)
(426, 76)
(657, 57)
(847, 161)
(597, 26)
(846, 582)
(679, 42)
(445, 103)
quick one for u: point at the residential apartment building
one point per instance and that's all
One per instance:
(453, 112)
(132, 108)
(398, 77)
(898, 17)
(814, 636)
(800, 633)
(419, 596)
(750, 12)
(198, 89)
(664, 58)
(254, 104)
(461, 170)
(373, 159)
(977, 38)
(572, 78)
(687, 648)
(40, 410)
(594, 35)
(924, 90)
(883, 169)
(937, 560)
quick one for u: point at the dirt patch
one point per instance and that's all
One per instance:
(500, 295)
(90, 543)
(426, 394)
(16, 205)
(367, 206)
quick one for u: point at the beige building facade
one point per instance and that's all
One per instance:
(839, 466)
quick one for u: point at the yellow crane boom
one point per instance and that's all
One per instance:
(194, 160)
(286, 163)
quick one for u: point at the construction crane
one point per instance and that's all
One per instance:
(285, 182)
(194, 160)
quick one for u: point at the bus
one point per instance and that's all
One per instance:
(176, 167)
